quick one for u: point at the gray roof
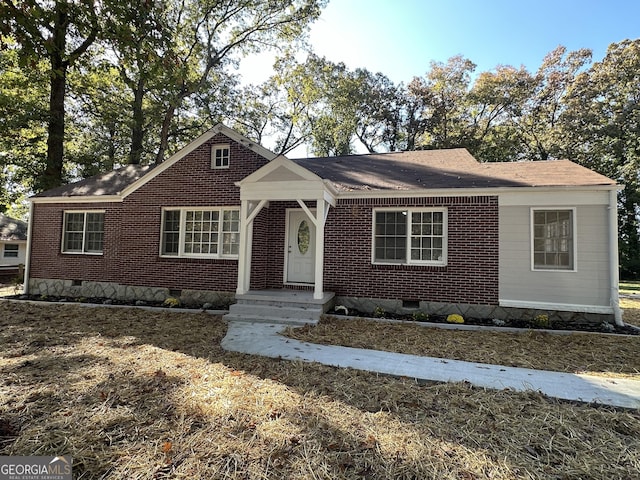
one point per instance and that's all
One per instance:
(110, 183)
(442, 169)
(11, 229)
(415, 170)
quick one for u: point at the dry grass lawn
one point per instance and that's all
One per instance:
(133, 394)
(604, 355)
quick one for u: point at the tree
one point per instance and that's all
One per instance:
(23, 126)
(378, 110)
(171, 50)
(98, 103)
(494, 104)
(536, 119)
(61, 31)
(601, 130)
(443, 92)
(137, 41)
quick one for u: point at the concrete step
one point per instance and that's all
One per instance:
(278, 303)
(279, 306)
(278, 311)
(232, 317)
(294, 299)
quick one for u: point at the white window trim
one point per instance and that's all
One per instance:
(181, 235)
(84, 232)
(574, 232)
(16, 251)
(408, 261)
(216, 147)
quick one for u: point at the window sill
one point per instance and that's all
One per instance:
(197, 258)
(409, 266)
(554, 270)
(94, 254)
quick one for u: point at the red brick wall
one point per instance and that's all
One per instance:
(471, 274)
(132, 228)
(132, 236)
(47, 261)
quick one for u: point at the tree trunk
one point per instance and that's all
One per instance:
(111, 150)
(53, 173)
(164, 133)
(137, 129)
(52, 176)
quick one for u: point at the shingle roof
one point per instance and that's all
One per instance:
(11, 229)
(110, 183)
(441, 169)
(415, 170)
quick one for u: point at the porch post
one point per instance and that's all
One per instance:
(244, 251)
(321, 207)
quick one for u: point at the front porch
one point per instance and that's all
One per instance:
(293, 307)
(308, 199)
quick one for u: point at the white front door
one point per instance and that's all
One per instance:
(301, 248)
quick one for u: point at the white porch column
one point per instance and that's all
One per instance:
(244, 251)
(248, 211)
(321, 217)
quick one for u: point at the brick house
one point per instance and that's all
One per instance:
(224, 219)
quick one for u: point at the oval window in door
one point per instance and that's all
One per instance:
(303, 237)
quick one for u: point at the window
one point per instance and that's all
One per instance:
(411, 236)
(204, 232)
(11, 250)
(553, 239)
(83, 232)
(220, 156)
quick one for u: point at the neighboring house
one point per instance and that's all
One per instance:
(13, 245)
(434, 230)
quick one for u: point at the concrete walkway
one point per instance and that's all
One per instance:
(264, 339)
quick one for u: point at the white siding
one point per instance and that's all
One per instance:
(587, 286)
(11, 262)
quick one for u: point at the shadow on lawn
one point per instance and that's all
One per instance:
(120, 395)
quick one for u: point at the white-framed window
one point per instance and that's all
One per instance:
(11, 250)
(200, 232)
(83, 232)
(220, 156)
(553, 239)
(410, 236)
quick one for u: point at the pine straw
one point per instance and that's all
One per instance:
(132, 394)
(631, 308)
(603, 355)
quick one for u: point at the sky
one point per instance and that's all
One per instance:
(401, 37)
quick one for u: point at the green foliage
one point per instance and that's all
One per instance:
(541, 321)
(600, 129)
(379, 312)
(60, 32)
(146, 77)
(420, 317)
(23, 128)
